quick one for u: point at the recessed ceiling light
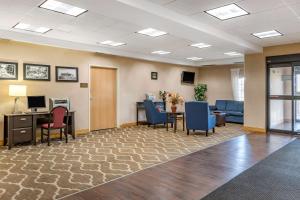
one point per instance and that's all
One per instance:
(201, 45)
(152, 32)
(227, 12)
(233, 53)
(62, 8)
(28, 27)
(266, 34)
(194, 58)
(112, 43)
(161, 52)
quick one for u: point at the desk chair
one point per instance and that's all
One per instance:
(56, 122)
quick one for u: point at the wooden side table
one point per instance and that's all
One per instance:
(175, 116)
(220, 118)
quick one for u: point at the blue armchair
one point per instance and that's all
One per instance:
(154, 116)
(198, 117)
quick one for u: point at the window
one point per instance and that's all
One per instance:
(237, 82)
(241, 85)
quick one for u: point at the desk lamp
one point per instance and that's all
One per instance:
(17, 91)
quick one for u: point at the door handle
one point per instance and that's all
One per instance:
(23, 119)
(23, 131)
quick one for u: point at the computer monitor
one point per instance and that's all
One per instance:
(35, 102)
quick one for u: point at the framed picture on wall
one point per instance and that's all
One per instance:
(8, 71)
(66, 74)
(36, 72)
(154, 75)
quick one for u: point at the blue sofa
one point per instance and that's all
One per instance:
(198, 117)
(234, 110)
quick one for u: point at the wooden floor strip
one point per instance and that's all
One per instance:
(192, 176)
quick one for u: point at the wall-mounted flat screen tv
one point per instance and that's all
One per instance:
(188, 77)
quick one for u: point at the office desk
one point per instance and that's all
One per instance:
(21, 128)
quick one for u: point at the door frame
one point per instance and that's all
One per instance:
(292, 60)
(117, 92)
(279, 97)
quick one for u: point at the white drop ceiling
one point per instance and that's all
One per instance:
(184, 20)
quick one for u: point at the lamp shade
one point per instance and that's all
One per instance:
(17, 90)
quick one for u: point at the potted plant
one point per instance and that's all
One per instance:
(163, 95)
(200, 92)
(175, 99)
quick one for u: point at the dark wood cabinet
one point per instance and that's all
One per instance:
(22, 121)
(22, 135)
(20, 128)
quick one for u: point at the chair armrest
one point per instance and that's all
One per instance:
(211, 121)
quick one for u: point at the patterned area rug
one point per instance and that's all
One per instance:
(42, 172)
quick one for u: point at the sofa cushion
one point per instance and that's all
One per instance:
(234, 113)
(235, 106)
(240, 105)
(234, 119)
(230, 106)
(222, 111)
(221, 104)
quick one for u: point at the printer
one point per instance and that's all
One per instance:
(55, 102)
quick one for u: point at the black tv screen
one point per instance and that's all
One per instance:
(188, 77)
(36, 101)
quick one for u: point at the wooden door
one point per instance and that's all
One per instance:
(103, 98)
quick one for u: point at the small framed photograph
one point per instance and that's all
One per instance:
(154, 75)
(36, 72)
(66, 74)
(8, 71)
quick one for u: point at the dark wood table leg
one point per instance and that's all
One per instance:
(34, 123)
(137, 115)
(167, 121)
(9, 132)
(5, 133)
(10, 141)
(73, 124)
(175, 125)
(183, 122)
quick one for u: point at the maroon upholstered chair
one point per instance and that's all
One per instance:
(56, 122)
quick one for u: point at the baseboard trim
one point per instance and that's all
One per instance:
(57, 135)
(132, 124)
(254, 129)
(82, 132)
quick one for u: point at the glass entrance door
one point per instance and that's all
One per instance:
(296, 98)
(284, 98)
(280, 97)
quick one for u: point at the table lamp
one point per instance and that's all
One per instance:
(17, 91)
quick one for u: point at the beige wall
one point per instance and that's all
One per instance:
(133, 79)
(255, 91)
(255, 85)
(218, 80)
